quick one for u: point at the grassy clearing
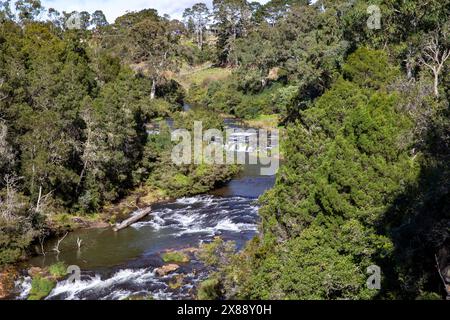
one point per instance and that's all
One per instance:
(201, 75)
(264, 121)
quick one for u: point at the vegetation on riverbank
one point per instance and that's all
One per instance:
(366, 174)
(200, 76)
(264, 121)
(74, 104)
(367, 131)
(45, 280)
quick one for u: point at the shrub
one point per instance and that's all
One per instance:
(209, 290)
(58, 270)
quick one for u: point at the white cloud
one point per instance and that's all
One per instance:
(116, 8)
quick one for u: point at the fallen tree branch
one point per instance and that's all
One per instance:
(56, 248)
(133, 219)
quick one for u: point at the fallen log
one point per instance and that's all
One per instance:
(133, 219)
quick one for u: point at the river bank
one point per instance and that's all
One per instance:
(132, 264)
(65, 228)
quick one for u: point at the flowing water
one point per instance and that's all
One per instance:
(121, 265)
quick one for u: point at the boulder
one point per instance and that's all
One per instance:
(33, 271)
(165, 270)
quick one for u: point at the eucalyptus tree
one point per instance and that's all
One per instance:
(199, 16)
(155, 47)
(435, 53)
(28, 10)
(5, 10)
(232, 18)
(98, 19)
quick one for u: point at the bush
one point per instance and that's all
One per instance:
(429, 296)
(58, 270)
(209, 290)
(370, 68)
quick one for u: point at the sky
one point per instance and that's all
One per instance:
(116, 8)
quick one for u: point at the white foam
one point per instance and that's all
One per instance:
(188, 200)
(228, 225)
(95, 283)
(24, 287)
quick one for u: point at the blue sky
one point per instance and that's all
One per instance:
(116, 8)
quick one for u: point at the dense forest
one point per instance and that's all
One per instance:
(364, 114)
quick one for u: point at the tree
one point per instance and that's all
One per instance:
(347, 159)
(85, 19)
(28, 10)
(7, 157)
(435, 53)
(5, 10)
(17, 229)
(199, 17)
(56, 18)
(274, 10)
(155, 46)
(98, 19)
(231, 17)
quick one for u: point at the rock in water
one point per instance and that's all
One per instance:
(165, 270)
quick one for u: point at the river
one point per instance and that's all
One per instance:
(122, 265)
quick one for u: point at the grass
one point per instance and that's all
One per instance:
(264, 121)
(201, 76)
(41, 288)
(63, 221)
(175, 257)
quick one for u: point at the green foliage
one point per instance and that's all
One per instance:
(347, 161)
(366, 172)
(175, 257)
(73, 116)
(41, 288)
(58, 270)
(429, 296)
(217, 253)
(327, 261)
(209, 290)
(18, 226)
(220, 257)
(369, 68)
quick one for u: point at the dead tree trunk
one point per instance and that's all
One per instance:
(434, 56)
(153, 92)
(133, 219)
(56, 248)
